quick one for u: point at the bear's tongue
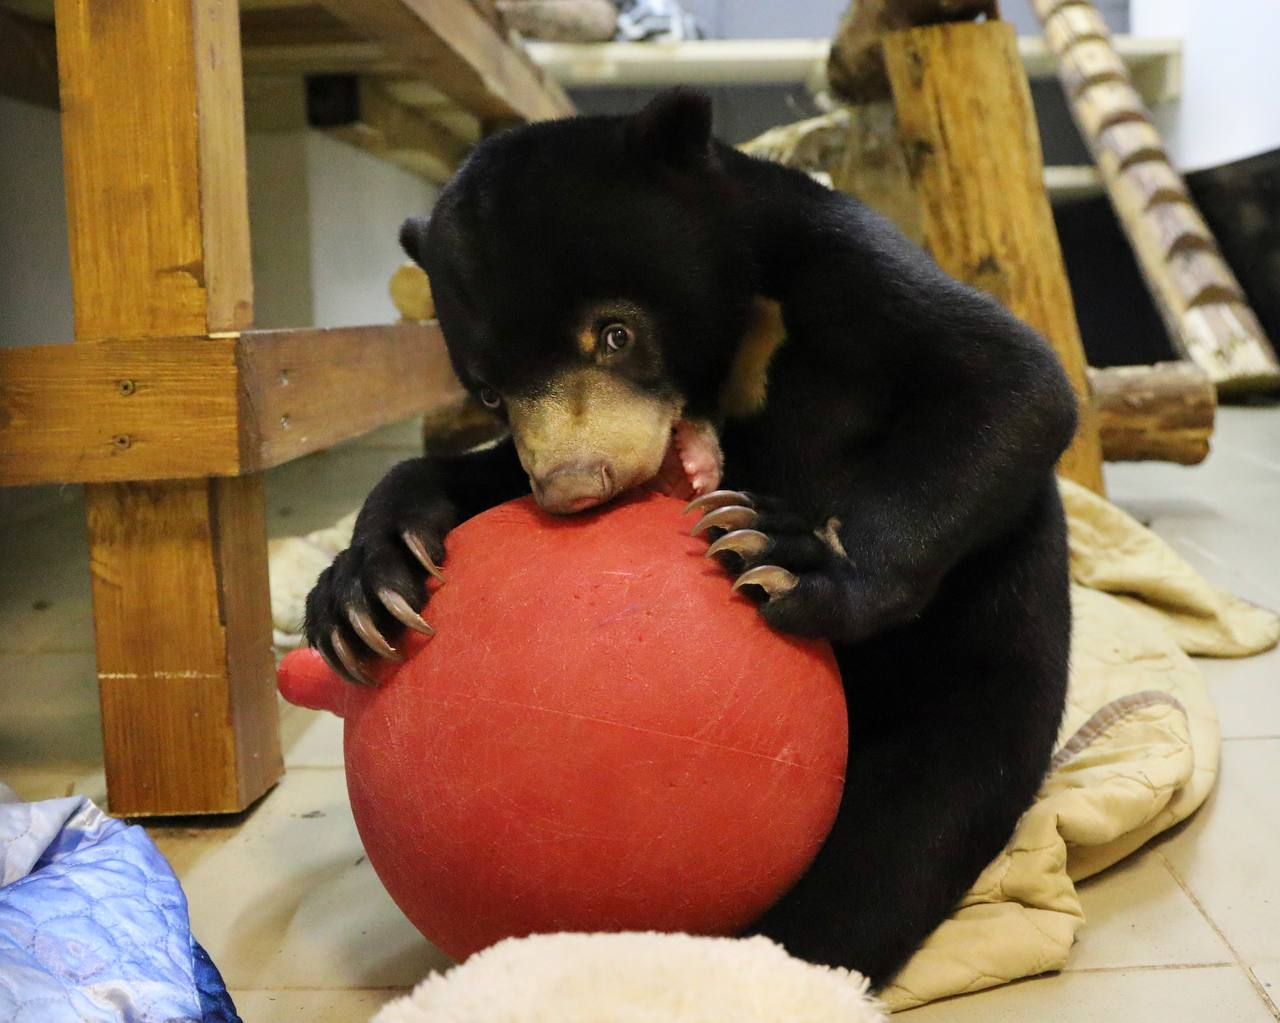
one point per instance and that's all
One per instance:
(693, 462)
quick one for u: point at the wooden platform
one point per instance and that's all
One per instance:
(426, 77)
(167, 405)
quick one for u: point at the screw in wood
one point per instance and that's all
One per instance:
(122, 441)
(126, 387)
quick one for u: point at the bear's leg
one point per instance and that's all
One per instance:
(953, 720)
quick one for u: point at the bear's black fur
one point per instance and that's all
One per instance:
(902, 466)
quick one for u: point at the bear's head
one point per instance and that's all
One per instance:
(593, 283)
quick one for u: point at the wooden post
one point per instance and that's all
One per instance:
(968, 130)
(153, 143)
(1199, 298)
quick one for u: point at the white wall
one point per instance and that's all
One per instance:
(35, 280)
(357, 205)
(324, 220)
(1230, 105)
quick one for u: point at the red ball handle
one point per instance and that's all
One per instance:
(304, 679)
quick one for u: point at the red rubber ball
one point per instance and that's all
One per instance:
(600, 737)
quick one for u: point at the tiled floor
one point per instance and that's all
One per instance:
(1185, 931)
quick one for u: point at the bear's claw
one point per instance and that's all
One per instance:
(400, 609)
(773, 580)
(367, 631)
(718, 499)
(350, 663)
(419, 550)
(730, 516)
(743, 542)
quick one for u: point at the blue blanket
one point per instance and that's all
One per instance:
(93, 924)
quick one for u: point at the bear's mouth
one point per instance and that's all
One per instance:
(693, 461)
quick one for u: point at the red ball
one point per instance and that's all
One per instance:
(600, 737)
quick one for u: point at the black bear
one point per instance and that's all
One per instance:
(633, 298)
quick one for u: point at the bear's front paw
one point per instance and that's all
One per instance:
(362, 603)
(800, 571)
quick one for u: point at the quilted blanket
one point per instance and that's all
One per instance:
(1138, 749)
(93, 923)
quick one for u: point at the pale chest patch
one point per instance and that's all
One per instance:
(745, 392)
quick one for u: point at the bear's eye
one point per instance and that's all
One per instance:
(615, 337)
(490, 398)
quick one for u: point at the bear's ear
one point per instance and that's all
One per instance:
(675, 127)
(413, 237)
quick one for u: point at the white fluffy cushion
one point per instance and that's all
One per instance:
(636, 978)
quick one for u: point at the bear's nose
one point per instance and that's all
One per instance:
(574, 486)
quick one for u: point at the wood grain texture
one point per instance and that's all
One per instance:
(401, 134)
(1199, 299)
(459, 52)
(141, 265)
(855, 68)
(224, 189)
(155, 408)
(154, 166)
(183, 644)
(1163, 412)
(983, 208)
(178, 408)
(304, 391)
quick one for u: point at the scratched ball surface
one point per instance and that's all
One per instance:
(600, 737)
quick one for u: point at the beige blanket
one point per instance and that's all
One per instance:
(1139, 748)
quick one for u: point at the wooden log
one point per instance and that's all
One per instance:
(153, 143)
(855, 66)
(1163, 412)
(1199, 299)
(985, 214)
(858, 151)
(873, 167)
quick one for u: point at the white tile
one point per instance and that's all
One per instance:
(1267, 976)
(1226, 854)
(314, 492)
(285, 897)
(1246, 693)
(49, 709)
(1136, 915)
(310, 738)
(45, 595)
(1216, 994)
(405, 435)
(53, 781)
(311, 1006)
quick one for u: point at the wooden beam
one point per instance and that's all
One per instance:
(362, 113)
(306, 390)
(153, 147)
(157, 408)
(983, 208)
(28, 60)
(341, 57)
(451, 45)
(182, 407)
